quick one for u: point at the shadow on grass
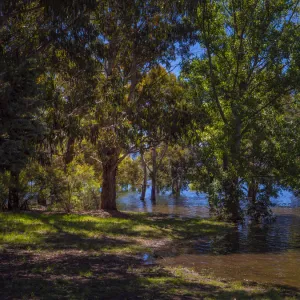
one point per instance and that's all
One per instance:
(78, 275)
(61, 256)
(64, 231)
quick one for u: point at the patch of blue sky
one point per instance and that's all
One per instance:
(195, 52)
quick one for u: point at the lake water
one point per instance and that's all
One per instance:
(189, 204)
(262, 253)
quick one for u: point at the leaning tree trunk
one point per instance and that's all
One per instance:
(109, 166)
(153, 175)
(13, 193)
(144, 185)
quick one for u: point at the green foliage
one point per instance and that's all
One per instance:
(82, 86)
(246, 75)
(22, 129)
(161, 113)
(73, 188)
(130, 173)
(4, 184)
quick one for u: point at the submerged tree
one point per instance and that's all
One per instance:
(162, 115)
(133, 36)
(249, 65)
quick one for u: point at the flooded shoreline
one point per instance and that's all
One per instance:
(264, 254)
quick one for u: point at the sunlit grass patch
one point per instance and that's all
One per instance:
(19, 239)
(129, 249)
(22, 229)
(34, 229)
(81, 256)
(160, 280)
(86, 274)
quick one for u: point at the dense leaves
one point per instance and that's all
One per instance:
(88, 98)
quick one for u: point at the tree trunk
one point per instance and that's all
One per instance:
(252, 191)
(231, 184)
(13, 193)
(109, 166)
(153, 175)
(144, 185)
(176, 181)
(153, 189)
(176, 187)
(232, 200)
(157, 189)
(235, 152)
(70, 152)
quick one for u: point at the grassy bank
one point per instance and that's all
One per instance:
(72, 256)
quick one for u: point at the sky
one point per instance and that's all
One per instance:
(195, 50)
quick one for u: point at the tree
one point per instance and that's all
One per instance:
(249, 65)
(129, 173)
(22, 94)
(132, 37)
(145, 177)
(162, 115)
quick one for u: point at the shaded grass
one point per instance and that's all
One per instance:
(69, 256)
(58, 231)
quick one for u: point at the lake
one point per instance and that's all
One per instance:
(267, 253)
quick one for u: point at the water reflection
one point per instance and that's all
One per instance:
(282, 235)
(267, 253)
(279, 269)
(188, 204)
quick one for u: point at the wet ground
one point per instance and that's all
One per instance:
(267, 253)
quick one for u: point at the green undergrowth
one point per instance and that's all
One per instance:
(73, 256)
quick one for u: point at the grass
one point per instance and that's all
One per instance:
(72, 256)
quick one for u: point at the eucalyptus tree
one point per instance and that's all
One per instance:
(129, 173)
(249, 66)
(172, 164)
(133, 36)
(31, 31)
(113, 44)
(161, 116)
(179, 160)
